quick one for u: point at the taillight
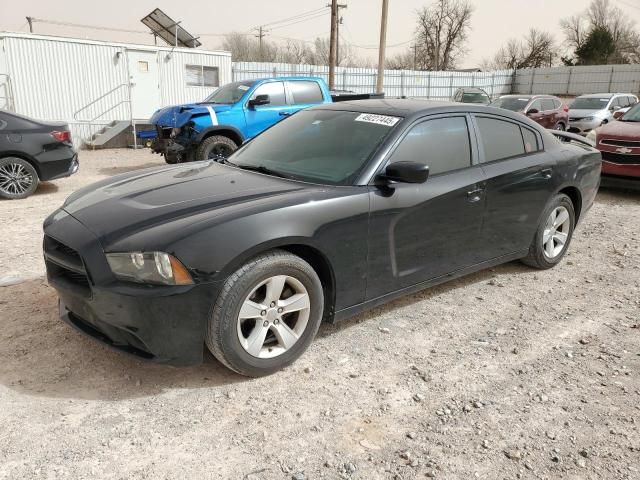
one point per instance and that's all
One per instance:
(63, 136)
(565, 108)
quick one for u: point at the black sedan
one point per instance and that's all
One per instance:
(331, 212)
(32, 151)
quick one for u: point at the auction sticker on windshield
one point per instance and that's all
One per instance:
(379, 119)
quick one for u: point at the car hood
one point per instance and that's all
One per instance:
(133, 202)
(581, 113)
(621, 130)
(178, 115)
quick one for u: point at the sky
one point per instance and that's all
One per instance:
(493, 21)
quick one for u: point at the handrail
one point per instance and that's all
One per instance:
(75, 115)
(9, 89)
(113, 107)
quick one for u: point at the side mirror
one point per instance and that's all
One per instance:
(260, 100)
(532, 111)
(406, 172)
(618, 114)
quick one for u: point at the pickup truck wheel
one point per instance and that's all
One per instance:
(215, 147)
(266, 314)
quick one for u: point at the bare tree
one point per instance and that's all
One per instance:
(442, 32)
(603, 15)
(536, 49)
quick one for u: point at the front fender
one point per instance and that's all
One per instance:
(237, 135)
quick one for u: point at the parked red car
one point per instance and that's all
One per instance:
(619, 143)
(547, 110)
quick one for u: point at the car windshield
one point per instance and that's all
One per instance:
(589, 103)
(511, 103)
(475, 97)
(329, 147)
(633, 115)
(229, 93)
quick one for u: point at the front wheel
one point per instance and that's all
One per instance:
(560, 126)
(215, 148)
(18, 178)
(553, 235)
(266, 315)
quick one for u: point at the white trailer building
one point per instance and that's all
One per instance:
(102, 89)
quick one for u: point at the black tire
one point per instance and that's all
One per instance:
(171, 158)
(222, 336)
(215, 147)
(537, 256)
(12, 168)
(560, 126)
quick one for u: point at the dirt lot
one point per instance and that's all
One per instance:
(509, 373)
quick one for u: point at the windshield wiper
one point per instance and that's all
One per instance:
(259, 169)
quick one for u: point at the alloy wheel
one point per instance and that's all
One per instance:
(220, 151)
(556, 232)
(15, 179)
(273, 317)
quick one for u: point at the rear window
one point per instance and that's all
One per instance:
(500, 139)
(305, 92)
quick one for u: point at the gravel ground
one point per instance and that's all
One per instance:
(508, 373)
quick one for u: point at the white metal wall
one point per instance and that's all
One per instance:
(579, 80)
(397, 83)
(86, 83)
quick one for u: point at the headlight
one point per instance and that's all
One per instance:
(592, 135)
(149, 267)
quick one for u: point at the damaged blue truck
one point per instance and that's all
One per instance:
(233, 114)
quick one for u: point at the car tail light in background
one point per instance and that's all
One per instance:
(63, 136)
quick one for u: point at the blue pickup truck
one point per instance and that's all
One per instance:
(233, 114)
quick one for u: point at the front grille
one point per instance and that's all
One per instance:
(575, 119)
(621, 159)
(64, 263)
(620, 143)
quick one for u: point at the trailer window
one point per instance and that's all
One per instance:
(201, 76)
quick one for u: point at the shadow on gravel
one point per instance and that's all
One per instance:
(46, 188)
(40, 355)
(109, 171)
(619, 194)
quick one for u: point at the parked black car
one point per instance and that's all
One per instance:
(32, 151)
(331, 212)
(471, 95)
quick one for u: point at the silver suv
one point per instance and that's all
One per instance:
(590, 111)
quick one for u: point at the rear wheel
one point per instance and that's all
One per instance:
(266, 315)
(554, 234)
(215, 148)
(560, 126)
(18, 178)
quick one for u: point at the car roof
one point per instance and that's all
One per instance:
(472, 89)
(414, 107)
(605, 95)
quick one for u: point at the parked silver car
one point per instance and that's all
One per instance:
(590, 111)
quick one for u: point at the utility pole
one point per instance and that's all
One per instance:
(332, 43)
(383, 45)
(340, 5)
(259, 36)
(30, 22)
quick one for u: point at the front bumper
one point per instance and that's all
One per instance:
(165, 324)
(583, 127)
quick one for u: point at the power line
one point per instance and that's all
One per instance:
(322, 14)
(80, 25)
(293, 17)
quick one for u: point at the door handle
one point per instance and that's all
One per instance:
(475, 195)
(284, 114)
(546, 173)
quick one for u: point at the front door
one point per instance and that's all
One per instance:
(144, 81)
(261, 117)
(423, 231)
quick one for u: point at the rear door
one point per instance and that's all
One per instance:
(422, 231)
(520, 180)
(538, 116)
(261, 117)
(549, 113)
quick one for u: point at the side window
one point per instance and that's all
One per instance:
(305, 92)
(547, 104)
(442, 144)
(275, 90)
(530, 140)
(500, 139)
(557, 103)
(537, 104)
